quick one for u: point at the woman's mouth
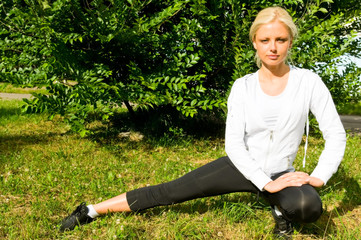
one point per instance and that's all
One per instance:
(272, 57)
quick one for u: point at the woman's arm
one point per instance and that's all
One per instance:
(323, 108)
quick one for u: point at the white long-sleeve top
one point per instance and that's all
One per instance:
(259, 152)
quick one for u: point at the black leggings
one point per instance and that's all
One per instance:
(298, 204)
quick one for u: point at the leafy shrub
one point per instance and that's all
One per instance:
(95, 56)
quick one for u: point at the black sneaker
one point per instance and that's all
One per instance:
(283, 228)
(76, 218)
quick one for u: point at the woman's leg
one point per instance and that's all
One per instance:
(215, 178)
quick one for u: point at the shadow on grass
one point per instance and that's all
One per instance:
(11, 143)
(344, 183)
(164, 126)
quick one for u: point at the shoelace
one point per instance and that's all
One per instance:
(77, 211)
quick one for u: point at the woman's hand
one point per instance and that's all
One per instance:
(292, 179)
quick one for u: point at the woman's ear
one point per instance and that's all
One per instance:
(254, 44)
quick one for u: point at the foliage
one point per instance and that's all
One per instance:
(320, 46)
(95, 56)
(351, 109)
(24, 44)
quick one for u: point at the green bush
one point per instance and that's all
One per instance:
(95, 56)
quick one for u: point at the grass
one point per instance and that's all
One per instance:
(45, 171)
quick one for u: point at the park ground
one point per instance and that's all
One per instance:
(45, 171)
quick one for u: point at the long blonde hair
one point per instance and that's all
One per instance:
(269, 15)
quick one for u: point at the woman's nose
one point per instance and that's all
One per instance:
(273, 46)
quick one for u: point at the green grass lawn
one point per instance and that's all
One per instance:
(45, 171)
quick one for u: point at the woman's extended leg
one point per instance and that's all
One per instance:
(215, 178)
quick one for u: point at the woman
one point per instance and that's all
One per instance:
(267, 112)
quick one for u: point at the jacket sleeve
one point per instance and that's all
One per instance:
(236, 148)
(323, 107)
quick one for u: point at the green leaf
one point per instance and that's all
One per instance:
(323, 10)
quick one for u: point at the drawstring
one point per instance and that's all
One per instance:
(308, 100)
(306, 143)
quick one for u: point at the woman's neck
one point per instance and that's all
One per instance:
(273, 80)
(274, 72)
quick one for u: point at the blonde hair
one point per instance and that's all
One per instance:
(269, 15)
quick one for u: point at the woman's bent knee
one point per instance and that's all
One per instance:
(312, 210)
(303, 206)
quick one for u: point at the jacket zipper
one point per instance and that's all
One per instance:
(268, 149)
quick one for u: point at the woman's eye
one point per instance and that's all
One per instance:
(264, 41)
(282, 40)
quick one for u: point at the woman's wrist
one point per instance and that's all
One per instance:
(316, 182)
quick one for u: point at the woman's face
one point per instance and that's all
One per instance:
(272, 42)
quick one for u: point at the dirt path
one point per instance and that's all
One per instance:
(10, 96)
(352, 123)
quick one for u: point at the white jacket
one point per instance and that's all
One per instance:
(259, 153)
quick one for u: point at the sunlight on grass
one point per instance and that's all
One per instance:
(46, 171)
(8, 88)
